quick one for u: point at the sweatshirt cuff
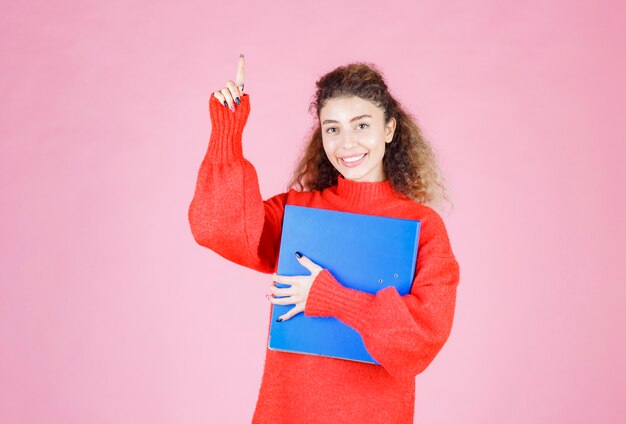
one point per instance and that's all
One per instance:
(328, 297)
(227, 129)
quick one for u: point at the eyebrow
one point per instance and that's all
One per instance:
(356, 118)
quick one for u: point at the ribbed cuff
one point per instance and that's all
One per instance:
(227, 129)
(327, 297)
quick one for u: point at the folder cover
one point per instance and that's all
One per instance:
(363, 252)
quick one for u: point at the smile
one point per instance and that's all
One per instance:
(353, 161)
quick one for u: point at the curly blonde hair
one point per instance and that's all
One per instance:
(409, 161)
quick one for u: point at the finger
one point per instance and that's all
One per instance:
(239, 79)
(289, 279)
(287, 291)
(220, 97)
(234, 91)
(288, 300)
(309, 264)
(229, 98)
(293, 311)
(284, 279)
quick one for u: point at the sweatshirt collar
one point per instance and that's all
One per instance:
(364, 191)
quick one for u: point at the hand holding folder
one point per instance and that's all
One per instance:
(363, 252)
(299, 284)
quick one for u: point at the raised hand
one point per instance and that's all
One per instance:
(231, 93)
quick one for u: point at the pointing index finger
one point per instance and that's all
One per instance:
(239, 80)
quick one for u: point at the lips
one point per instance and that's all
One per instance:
(353, 163)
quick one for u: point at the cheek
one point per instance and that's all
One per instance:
(329, 148)
(374, 142)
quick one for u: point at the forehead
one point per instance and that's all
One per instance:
(345, 108)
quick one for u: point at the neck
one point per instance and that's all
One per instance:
(364, 191)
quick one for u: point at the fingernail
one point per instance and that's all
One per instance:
(237, 100)
(298, 255)
(241, 87)
(232, 108)
(225, 104)
(279, 319)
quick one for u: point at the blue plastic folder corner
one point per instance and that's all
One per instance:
(363, 252)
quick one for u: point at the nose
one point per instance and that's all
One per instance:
(348, 141)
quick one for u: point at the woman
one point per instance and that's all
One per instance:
(365, 155)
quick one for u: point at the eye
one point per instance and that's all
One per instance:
(330, 128)
(362, 123)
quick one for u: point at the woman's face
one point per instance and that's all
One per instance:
(353, 127)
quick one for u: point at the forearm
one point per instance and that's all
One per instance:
(403, 333)
(227, 213)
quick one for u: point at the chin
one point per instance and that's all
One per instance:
(354, 174)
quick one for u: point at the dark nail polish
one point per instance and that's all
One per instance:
(298, 255)
(225, 104)
(279, 319)
(237, 100)
(242, 87)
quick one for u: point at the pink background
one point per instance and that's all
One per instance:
(109, 311)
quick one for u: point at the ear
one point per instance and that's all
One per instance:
(390, 129)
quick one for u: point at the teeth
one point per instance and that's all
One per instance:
(354, 159)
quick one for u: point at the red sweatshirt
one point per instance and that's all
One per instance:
(403, 333)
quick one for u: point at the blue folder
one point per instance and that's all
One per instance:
(363, 252)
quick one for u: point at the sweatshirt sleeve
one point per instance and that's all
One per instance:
(403, 333)
(227, 213)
